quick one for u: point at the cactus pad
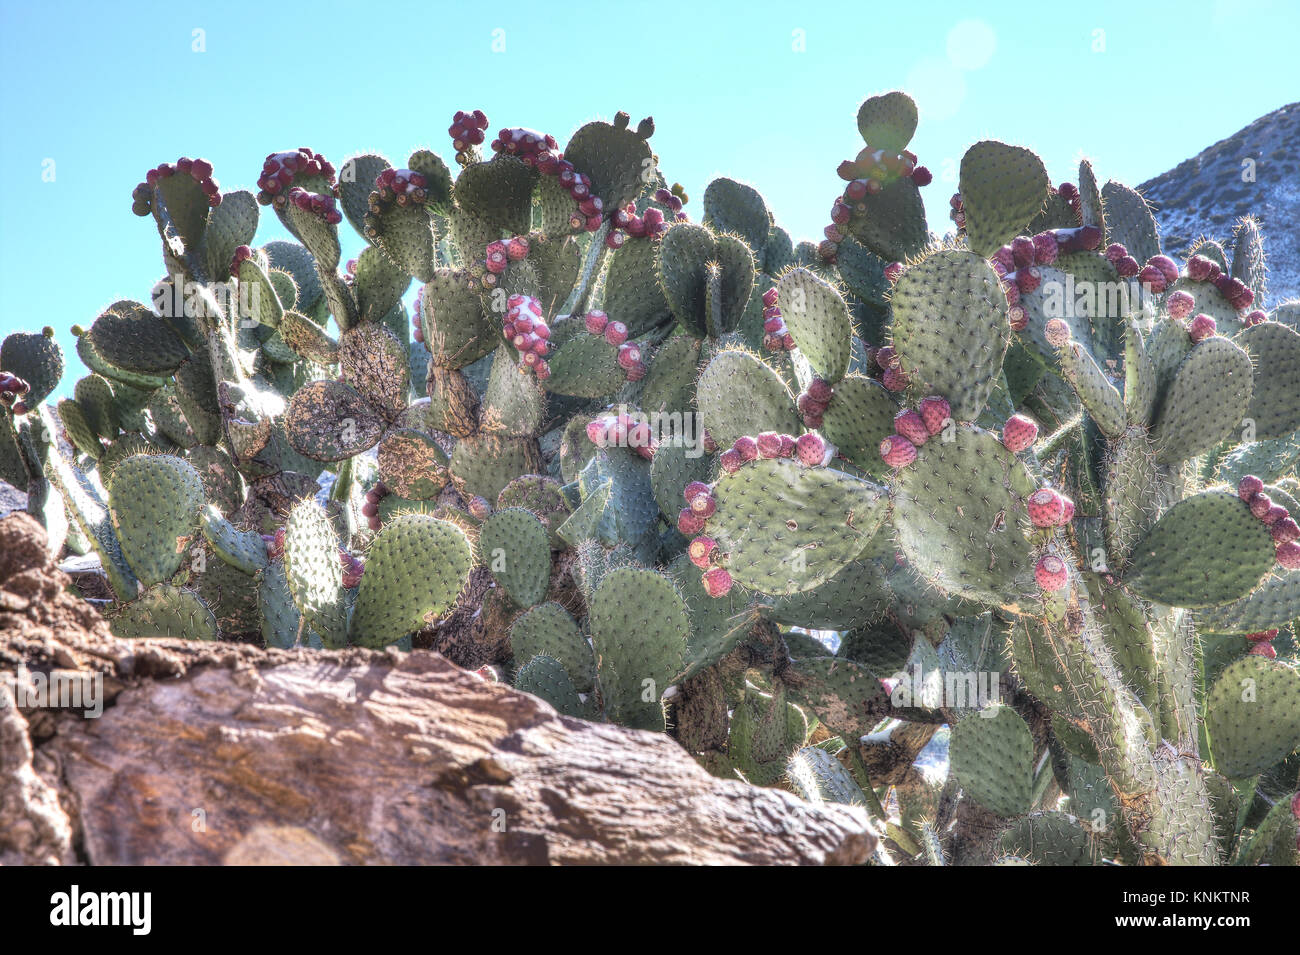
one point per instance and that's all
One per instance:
(1002, 188)
(1207, 401)
(739, 395)
(165, 611)
(1253, 716)
(155, 503)
(1275, 399)
(818, 320)
(313, 572)
(993, 759)
(547, 629)
(516, 548)
(546, 678)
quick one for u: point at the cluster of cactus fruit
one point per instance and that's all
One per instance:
(905, 461)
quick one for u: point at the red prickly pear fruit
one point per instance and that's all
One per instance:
(1201, 328)
(1276, 514)
(200, 169)
(1248, 487)
(1127, 267)
(638, 371)
(1262, 649)
(1012, 292)
(701, 551)
(1057, 332)
(1295, 805)
(911, 426)
(1068, 191)
(787, 342)
(706, 439)
(811, 420)
(746, 447)
(1046, 248)
(1114, 252)
(935, 412)
(598, 432)
(1242, 300)
(775, 327)
(770, 297)
(1017, 317)
(894, 272)
(639, 436)
(897, 451)
(542, 369)
(833, 234)
(1152, 278)
(922, 176)
(694, 490)
(886, 356)
(820, 391)
(1200, 269)
(856, 191)
(874, 186)
(1260, 505)
(1251, 319)
(1028, 279)
(1019, 433)
(717, 582)
(1166, 266)
(629, 354)
(1068, 514)
(1005, 257)
(689, 523)
(894, 380)
(1046, 507)
(1286, 530)
(374, 523)
(615, 240)
(1022, 251)
(847, 170)
(1180, 304)
(810, 449)
(1261, 635)
(369, 509)
(1089, 237)
(616, 333)
(1050, 573)
(730, 460)
(1288, 555)
(517, 248)
(497, 259)
(596, 322)
(788, 445)
(769, 444)
(840, 213)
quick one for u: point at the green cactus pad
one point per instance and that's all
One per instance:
(96, 362)
(138, 341)
(542, 496)
(586, 522)
(1274, 603)
(514, 403)
(1167, 346)
(230, 225)
(356, 182)
(330, 421)
(959, 510)
(1249, 263)
(486, 463)
(1102, 399)
(412, 464)
(740, 395)
(1173, 565)
(887, 121)
(375, 363)
(557, 264)
(950, 328)
(434, 169)
(883, 648)
(244, 550)
(617, 161)
(855, 596)
(1048, 838)
(546, 678)
(685, 251)
(455, 327)
(78, 428)
(893, 225)
(718, 624)
(258, 299)
(415, 569)
(734, 207)
(1140, 378)
(94, 395)
(1090, 209)
(992, 754)
(1207, 401)
(1129, 221)
(280, 618)
(778, 252)
(1275, 841)
(639, 631)
(498, 193)
(845, 696)
(633, 295)
(515, 546)
(674, 466)
(670, 384)
(1252, 716)
(818, 320)
(549, 630)
(229, 593)
(787, 528)
(820, 778)
(196, 391)
(155, 504)
(1002, 187)
(298, 262)
(859, 417)
(314, 573)
(765, 732)
(308, 340)
(586, 366)
(165, 611)
(378, 285)
(1275, 399)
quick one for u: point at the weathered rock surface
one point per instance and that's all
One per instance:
(225, 753)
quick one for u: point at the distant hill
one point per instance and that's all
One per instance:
(1206, 195)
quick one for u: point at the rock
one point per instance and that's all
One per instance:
(215, 753)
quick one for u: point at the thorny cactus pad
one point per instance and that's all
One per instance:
(655, 461)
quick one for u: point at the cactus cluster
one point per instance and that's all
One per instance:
(652, 468)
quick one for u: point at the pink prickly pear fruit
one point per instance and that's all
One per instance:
(1248, 487)
(1050, 573)
(1017, 317)
(1201, 269)
(1276, 514)
(922, 176)
(1288, 555)
(1180, 304)
(1022, 251)
(746, 447)
(788, 445)
(638, 371)
(1046, 508)
(629, 354)
(1028, 279)
(694, 490)
(497, 258)
(912, 427)
(1046, 248)
(1057, 332)
(1263, 649)
(894, 379)
(935, 412)
(811, 449)
(730, 461)
(689, 523)
(1286, 530)
(1153, 278)
(1251, 319)
(1089, 237)
(1068, 514)
(1260, 505)
(1019, 433)
(1127, 267)
(1114, 252)
(769, 444)
(886, 356)
(769, 298)
(595, 322)
(1295, 805)
(1166, 266)
(517, 248)
(897, 451)
(1005, 257)
(369, 509)
(1201, 328)
(598, 432)
(809, 406)
(701, 551)
(894, 272)
(616, 333)
(1261, 635)
(717, 582)
(820, 391)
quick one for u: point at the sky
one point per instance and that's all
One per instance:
(94, 94)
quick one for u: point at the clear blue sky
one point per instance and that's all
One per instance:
(108, 90)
